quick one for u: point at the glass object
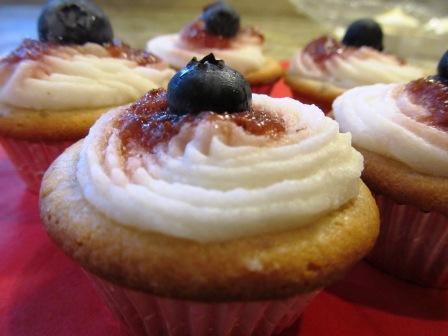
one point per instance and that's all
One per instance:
(413, 29)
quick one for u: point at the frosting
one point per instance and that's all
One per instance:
(74, 77)
(349, 67)
(243, 55)
(385, 119)
(214, 181)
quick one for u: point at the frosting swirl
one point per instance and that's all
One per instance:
(386, 119)
(214, 181)
(44, 76)
(243, 54)
(328, 60)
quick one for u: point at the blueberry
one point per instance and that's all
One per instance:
(221, 19)
(442, 68)
(208, 85)
(364, 32)
(74, 21)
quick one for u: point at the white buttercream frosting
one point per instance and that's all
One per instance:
(241, 56)
(78, 77)
(362, 66)
(383, 119)
(213, 181)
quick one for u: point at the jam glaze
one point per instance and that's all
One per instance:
(194, 34)
(432, 94)
(324, 48)
(148, 122)
(34, 50)
(118, 49)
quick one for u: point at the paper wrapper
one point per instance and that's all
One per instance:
(413, 245)
(263, 88)
(146, 314)
(31, 159)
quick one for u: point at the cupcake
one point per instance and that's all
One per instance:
(205, 210)
(402, 131)
(325, 68)
(218, 31)
(52, 90)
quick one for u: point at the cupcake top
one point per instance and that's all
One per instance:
(77, 64)
(407, 122)
(216, 163)
(357, 60)
(216, 30)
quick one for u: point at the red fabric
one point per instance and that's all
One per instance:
(42, 292)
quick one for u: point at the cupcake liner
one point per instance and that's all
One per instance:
(412, 245)
(262, 88)
(146, 314)
(32, 158)
(324, 104)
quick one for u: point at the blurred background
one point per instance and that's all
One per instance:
(416, 30)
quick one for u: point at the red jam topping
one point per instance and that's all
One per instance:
(253, 122)
(432, 94)
(124, 51)
(195, 35)
(28, 50)
(148, 122)
(324, 48)
(34, 50)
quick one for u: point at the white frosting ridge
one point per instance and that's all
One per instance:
(78, 78)
(382, 119)
(215, 182)
(363, 66)
(243, 57)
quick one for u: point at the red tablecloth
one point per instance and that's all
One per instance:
(42, 292)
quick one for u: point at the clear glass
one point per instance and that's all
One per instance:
(413, 29)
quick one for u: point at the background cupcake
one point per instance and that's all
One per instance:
(206, 210)
(401, 129)
(218, 30)
(52, 90)
(325, 68)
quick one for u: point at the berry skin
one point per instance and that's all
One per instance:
(221, 19)
(442, 67)
(208, 85)
(74, 21)
(364, 32)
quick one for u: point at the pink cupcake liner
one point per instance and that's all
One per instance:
(32, 158)
(263, 88)
(412, 245)
(146, 314)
